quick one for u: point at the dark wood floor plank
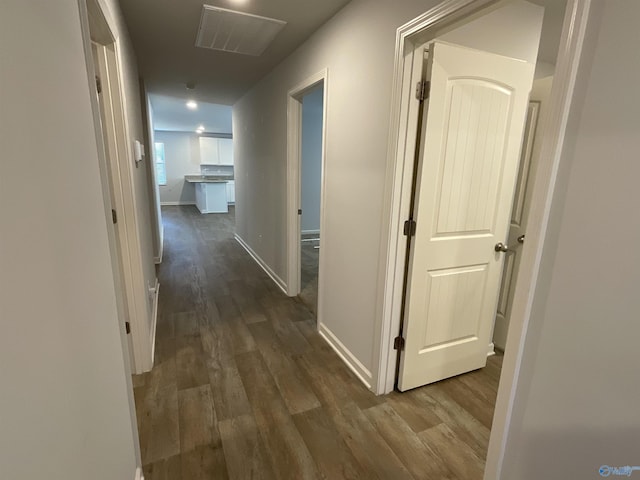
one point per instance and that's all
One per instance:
(414, 455)
(204, 463)
(159, 437)
(196, 418)
(167, 469)
(367, 446)
(190, 365)
(456, 454)
(331, 454)
(289, 456)
(293, 388)
(244, 450)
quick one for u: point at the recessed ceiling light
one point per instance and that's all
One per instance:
(191, 105)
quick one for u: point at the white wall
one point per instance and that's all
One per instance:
(182, 157)
(512, 30)
(578, 393)
(154, 190)
(65, 398)
(357, 47)
(311, 165)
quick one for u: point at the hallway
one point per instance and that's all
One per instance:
(243, 386)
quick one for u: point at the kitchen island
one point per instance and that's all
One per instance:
(211, 193)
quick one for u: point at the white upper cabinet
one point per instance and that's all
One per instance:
(225, 148)
(216, 151)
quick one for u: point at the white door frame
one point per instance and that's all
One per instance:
(99, 27)
(294, 161)
(402, 137)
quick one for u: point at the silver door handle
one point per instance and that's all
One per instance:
(501, 247)
(521, 239)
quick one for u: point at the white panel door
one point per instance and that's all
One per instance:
(472, 131)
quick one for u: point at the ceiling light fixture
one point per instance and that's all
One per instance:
(191, 105)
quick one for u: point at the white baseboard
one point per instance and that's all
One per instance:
(139, 475)
(278, 281)
(491, 350)
(170, 204)
(154, 321)
(310, 232)
(158, 259)
(345, 354)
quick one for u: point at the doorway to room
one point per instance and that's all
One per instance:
(306, 133)
(310, 194)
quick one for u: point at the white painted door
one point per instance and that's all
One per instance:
(521, 203)
(472, 131)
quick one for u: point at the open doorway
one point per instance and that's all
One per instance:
(445, 289)
(306, 133)
(310, 195)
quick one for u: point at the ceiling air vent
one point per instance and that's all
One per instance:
(237, 32)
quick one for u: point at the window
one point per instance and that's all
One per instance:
(161, 168)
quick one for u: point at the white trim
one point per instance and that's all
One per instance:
(294, 135)
(173, 204)
(154, 319)
(345, 354)
(553, 133)
(158, 259)
(491, 350)
(268, 270)
(139, 475)
(310, 232)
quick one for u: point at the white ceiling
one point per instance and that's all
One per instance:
(172, 114)
(164, 34)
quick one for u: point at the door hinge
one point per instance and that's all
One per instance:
(98, 84)
(114, 216)
(409, 229)
(422, 90)
(398, 343)
(299, 211)
(127, 327)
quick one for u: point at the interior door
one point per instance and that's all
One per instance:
(520, 212)
(472, 130)
(516, 230)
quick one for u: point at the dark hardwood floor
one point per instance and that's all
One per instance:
(243, 387)
(309, 258)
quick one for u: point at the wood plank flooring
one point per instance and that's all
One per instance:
(244, 388)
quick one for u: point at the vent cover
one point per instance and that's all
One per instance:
(237, 32)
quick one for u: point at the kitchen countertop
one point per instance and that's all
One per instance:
(208, 178)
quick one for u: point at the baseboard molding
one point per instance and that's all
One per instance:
(277, 280)
(158, 258)
(154, 321)
(310, 232)
(139, 475)
(345, 354)
(491, 350)
(173, 204)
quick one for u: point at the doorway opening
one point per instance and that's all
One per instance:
(306, 128)
(310, 193)
(440, 129)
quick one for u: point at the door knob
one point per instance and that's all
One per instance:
(501, 247)
(521, 239)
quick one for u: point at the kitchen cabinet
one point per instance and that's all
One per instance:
(216, 151)
(231, 192)
(211, 197)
